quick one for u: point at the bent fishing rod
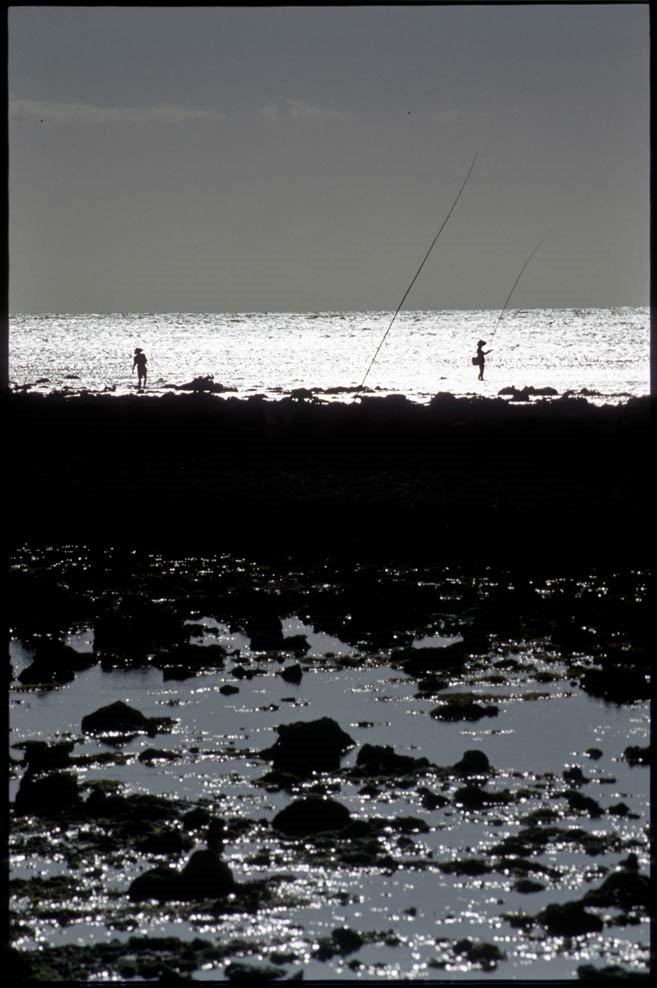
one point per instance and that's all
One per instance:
(433, 242)
(508, 298)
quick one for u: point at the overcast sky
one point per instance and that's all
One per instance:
(295, 159)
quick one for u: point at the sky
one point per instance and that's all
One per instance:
(303, 158)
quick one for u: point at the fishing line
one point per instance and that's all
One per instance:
(416, 275)
(508, 298)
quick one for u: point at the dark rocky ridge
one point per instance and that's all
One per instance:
(463, 476)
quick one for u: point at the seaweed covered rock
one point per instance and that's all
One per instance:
(121, 718)
(309, 745)
(311, 815)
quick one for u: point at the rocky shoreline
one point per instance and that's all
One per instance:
(467, 477)
(351, 801)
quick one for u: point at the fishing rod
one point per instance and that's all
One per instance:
(508, 298)
(444, 223)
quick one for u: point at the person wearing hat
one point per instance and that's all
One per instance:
(140, 362)
(479, 361)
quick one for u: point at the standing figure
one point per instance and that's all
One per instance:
(479, 361)
(140, 362)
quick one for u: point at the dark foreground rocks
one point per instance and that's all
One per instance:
(288, 468)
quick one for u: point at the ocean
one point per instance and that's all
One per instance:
(599, 353)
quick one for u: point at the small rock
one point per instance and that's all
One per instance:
(241, 972)
(292, 674)
(463, 708)
(526, 886)
(569, 919)
(474, 762)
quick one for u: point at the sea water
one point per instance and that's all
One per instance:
(546, 723)
(601, 353)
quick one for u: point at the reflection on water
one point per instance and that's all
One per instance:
(274, 353)
(412, 917)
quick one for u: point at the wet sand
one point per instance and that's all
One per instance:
(480, 478)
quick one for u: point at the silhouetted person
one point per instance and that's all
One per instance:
(480, 359)
(140, 363)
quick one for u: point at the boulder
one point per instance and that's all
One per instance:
(43, 757)
(55, 663)
(312, 745)
(292, 674)
(121, 718)
(205, 876)
(46, 674)
(376, 759)
(474, 762)
(162, 884)
(311, 815)
(48, 796)
(431, 800)
(579, 803)
(569, 919)
(624, 889)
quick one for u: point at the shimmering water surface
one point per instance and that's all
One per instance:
(546, 724)
(592, 350)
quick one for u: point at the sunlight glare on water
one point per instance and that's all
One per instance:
(601, 350)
